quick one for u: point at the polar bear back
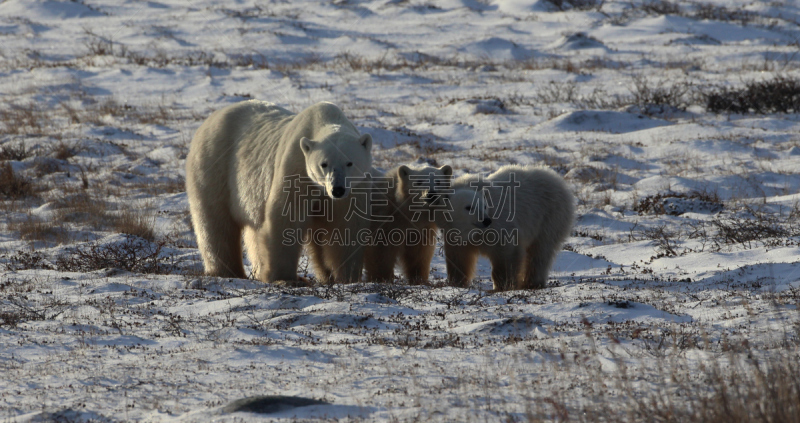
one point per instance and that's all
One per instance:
(544, 202)
(541, 202)
(260, 141)
(241, 136)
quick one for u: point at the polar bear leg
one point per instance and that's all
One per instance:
(506, 267)
(316, 254)
(278, 260)
(460, 261)
(416, 259)
(251, 246)
(379, 261)
(345, 261)
(539, 258)
(219, 240)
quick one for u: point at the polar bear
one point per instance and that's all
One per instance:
(518, 217)
(259, 168)
(403, 226)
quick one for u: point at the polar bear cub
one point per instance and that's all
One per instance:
(518, 217)
(258, 168)
(403, 227)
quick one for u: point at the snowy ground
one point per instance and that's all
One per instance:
(685, 251)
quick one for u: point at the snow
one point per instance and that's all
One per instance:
(106, 95)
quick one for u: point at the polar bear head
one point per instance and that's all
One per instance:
(339, 156)
(424, 184)
(467, 210)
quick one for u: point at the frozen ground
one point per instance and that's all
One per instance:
(685, 252)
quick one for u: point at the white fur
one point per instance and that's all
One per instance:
(235, 173)
(542, 214)
(408, 204)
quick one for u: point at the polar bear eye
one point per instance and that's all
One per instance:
(323, 165)
(349, 164)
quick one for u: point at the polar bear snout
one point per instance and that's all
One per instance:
(337, 184)
(338, 192)
(483, 224)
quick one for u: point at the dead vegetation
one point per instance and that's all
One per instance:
(701, 11)
(753, 227)
(27, 119)
(732, 390)
(14, 151)
(745, 226)
(648, 94)
(137, 223)
(22, 260)
(342, 62)
(563, 5)
(675, 203)
(83, 208)
(781, 94)
(157, 187)
(24, 119)
(14, 186)
(133, 254)
(74, 211)
(33, 228)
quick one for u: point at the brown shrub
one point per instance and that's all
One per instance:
(13, 186)
(17, 151)
(34, 229)
(132, 254)
(748, 392)
(84, 208)
(137, 223)
(163, 186)
(63, 151)
(22, 260)
(778, 95)
(20, 119)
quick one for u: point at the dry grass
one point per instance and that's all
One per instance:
(132, 254)
(47, 166)
(87, 209)
(158, 187)
(83, 208)
(577, 4)
(702, 11)
(13, 186)
(780, 94)
(656, 204)
(102, 112)
(80, 209)
(341, 63)
(135, 222)
(647, 93)
(63, 151)
(725, 391)
(20, 118)
(31, 228)
(25, 119)
(22, 260)
(14, 151)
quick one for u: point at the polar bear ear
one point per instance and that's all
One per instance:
(447, 170)
(403, 171)
(306, 144)
(366, 141)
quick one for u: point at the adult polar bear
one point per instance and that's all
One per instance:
(246, 160)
